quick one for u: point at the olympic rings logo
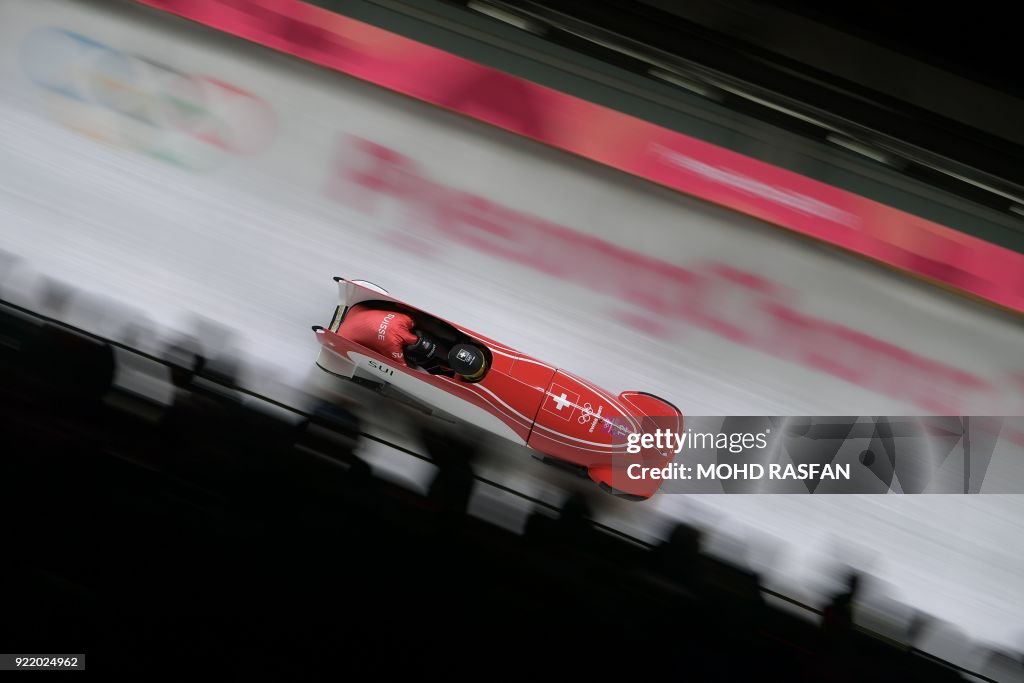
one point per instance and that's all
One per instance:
(130, 101)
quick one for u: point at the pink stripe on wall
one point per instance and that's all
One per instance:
(683, 163)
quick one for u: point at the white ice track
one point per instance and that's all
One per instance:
(255, 255)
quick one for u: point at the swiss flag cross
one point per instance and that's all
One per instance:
(561, 402)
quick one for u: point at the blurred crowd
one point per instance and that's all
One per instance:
(216, 531)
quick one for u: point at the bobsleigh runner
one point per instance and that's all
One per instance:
(380, 342)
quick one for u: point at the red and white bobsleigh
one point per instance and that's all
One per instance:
(379, 341)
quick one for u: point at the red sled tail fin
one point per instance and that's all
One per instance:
(660, 413)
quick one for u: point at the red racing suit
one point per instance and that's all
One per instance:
(387, 332)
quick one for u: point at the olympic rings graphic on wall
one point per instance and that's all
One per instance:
(130, 101)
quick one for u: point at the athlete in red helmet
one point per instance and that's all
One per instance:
(390, 331)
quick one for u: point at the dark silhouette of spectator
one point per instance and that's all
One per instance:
(452, 486)
(574, 517)
(72, 372)
(572, 528)
(1002, 665)
(55, 297)
(679, 557)
(836, 634)
(185, 361)
(196, 426)
(916, 628)
(837, 619)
